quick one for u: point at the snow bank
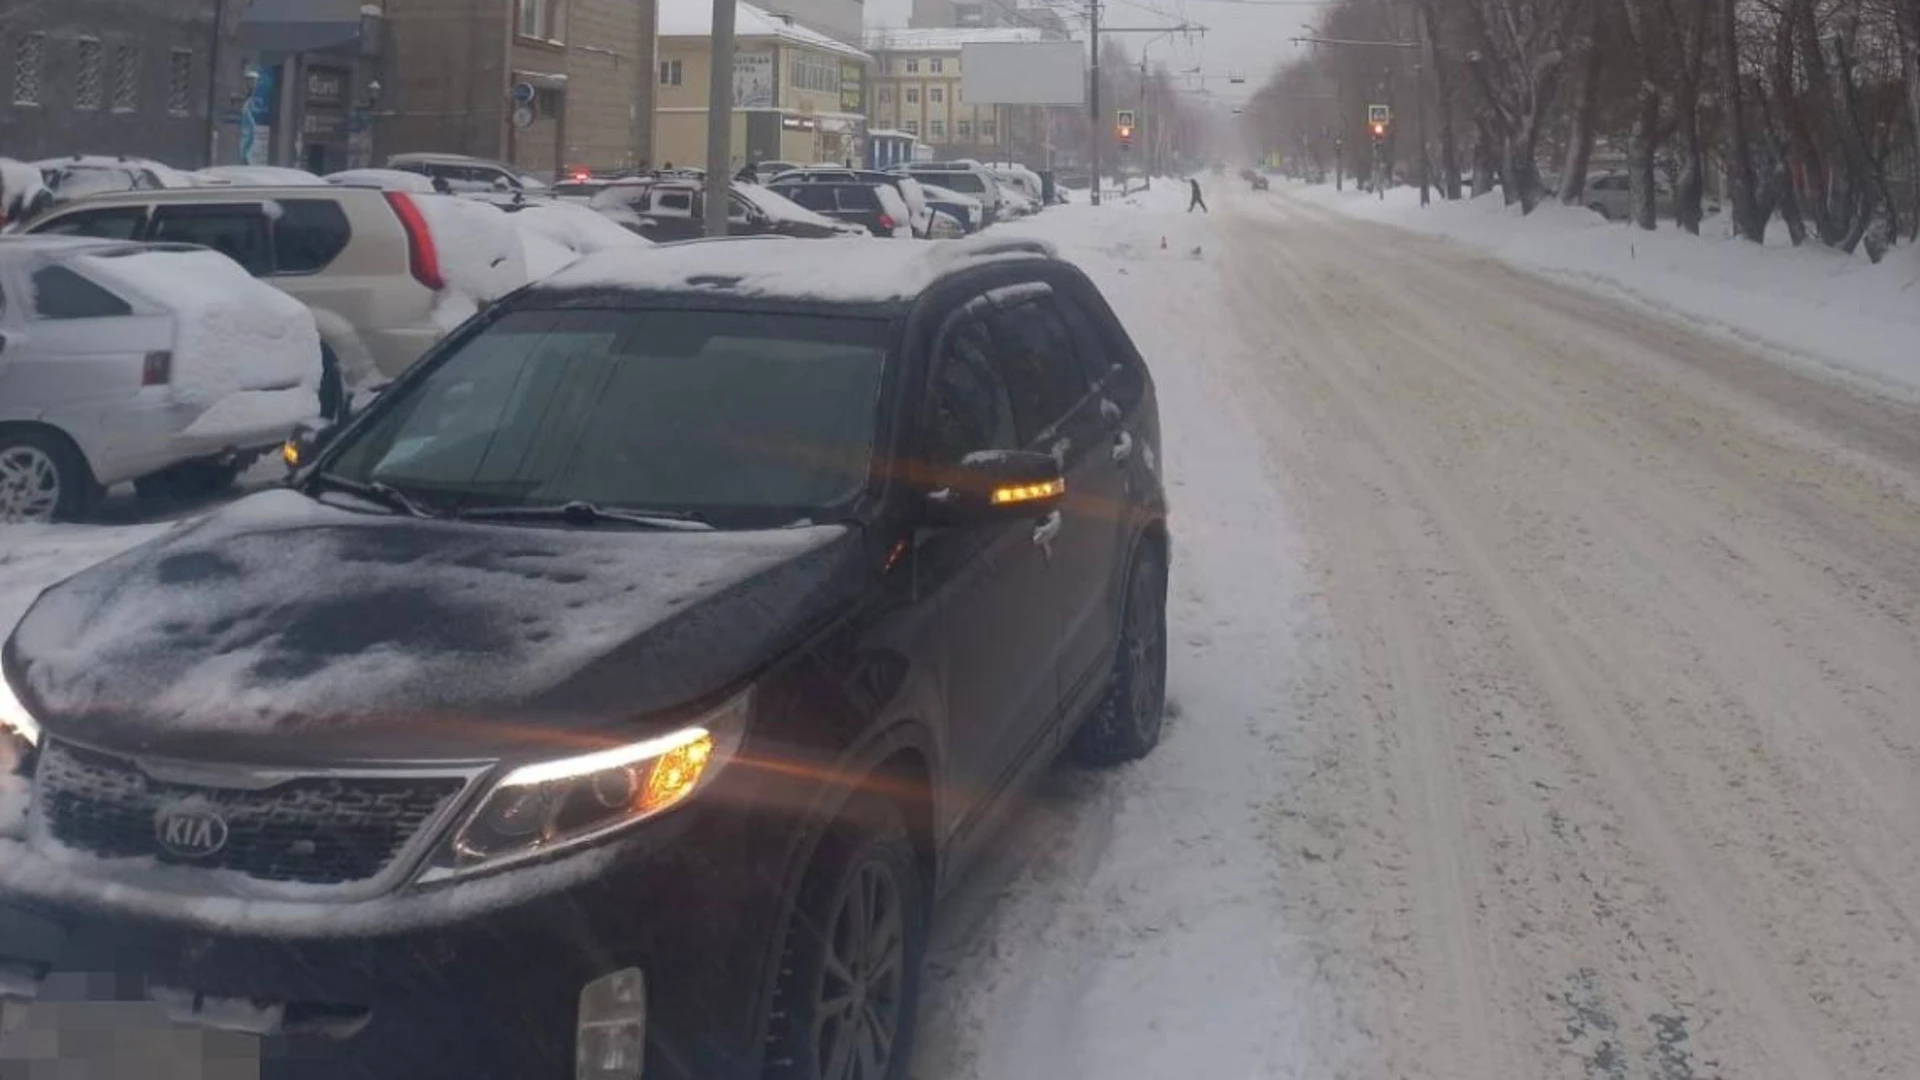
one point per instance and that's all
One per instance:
(481, 253)
(235, 334)
(1837, 313)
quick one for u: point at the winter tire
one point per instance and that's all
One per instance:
(849, 977)
(43, 478)
(1125, 725)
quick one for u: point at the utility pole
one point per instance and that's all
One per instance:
(216, 57)
(1097, 131)
(720, 119)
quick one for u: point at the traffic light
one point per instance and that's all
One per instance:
(1126, 136)
(1379, 128)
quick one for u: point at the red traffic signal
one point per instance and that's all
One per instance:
(1379, 130)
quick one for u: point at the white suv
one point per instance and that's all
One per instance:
(163, 364)
(363, 260)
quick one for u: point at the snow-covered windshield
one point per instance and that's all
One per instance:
(742, 418)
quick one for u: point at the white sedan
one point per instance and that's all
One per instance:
(166, 365)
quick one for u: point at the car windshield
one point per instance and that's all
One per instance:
(744, 418)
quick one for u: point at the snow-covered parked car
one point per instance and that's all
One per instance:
(166, 365)
(965, 209)
(253, 176)
(614, 697)
(366, 261)
(384, 180)
(555, 232)
(82, 175)
(23, 192)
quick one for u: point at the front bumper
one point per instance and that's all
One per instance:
(489, 989)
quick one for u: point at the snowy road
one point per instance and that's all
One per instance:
(1549, 689)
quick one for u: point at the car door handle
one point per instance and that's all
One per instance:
(1122, 446)
(1047, 529)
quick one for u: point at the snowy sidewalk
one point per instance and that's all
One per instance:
(1810, 305)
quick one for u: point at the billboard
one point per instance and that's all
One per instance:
(1023, 73)
(753, 80)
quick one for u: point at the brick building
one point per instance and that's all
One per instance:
(451, 68)
(109, 76)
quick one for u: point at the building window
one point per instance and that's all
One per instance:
(538, 19)
(886, 95)
(913, 96)
(813, 73)
(986, 129)
(126, 78)
(669, 73)
(963, 129)
(911, 127)
(26, 68)
(936, 95)
(913, 67)
(180, 82)
(933, 65)
(87, 74)
(937, 128)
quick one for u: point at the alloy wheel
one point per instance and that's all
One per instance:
(857, 1005)
(29, 484)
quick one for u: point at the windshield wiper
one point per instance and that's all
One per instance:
(375, 491)
(581, 512)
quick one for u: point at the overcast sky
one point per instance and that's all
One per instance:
(1244, 37)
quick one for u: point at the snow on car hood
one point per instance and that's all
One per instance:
(235, 333)
(283, 628)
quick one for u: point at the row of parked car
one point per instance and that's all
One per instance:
(109, 375)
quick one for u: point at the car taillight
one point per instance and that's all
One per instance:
(157, 369)
(886, 222)
(423, 259)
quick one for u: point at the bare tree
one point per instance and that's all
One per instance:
(1749, 217)
(1518, 69)
(1589, 58)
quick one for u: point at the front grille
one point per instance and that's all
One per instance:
(313, 830)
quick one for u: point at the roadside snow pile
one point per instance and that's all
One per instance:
(1841, 313)
(235, 334)
(481, 254)
(553, 235)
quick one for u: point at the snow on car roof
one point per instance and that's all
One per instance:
(854, 270)
(778, 206)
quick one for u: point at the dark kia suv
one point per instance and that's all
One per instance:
(616, 694)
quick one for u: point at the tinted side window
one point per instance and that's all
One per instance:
(971, 408)
(238, 231)
(59, 293)
(309, 234)
(112, 223)
(1042, 367)
(858, 198)
(810, 196)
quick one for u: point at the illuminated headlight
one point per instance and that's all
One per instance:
(19, 737)
(551, 805)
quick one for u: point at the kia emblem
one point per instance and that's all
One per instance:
(190, 831)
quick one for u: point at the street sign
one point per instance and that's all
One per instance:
(523, 93)
(523, 117)
(1379, 114)
(1125, 118)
